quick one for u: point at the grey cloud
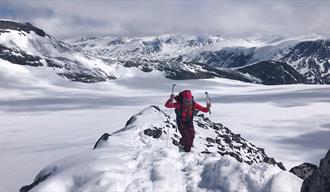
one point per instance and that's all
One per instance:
(135, 18)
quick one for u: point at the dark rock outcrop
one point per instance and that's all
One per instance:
(319, 181)
(103, 138)
(19, 57)
(42, 176)
(19, 26)
(274, 73)
(154, 132)
(303, 170)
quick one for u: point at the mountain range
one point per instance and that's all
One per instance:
(265, 60)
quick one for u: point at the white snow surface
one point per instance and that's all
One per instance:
(44, 118)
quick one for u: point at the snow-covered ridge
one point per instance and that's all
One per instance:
(141, 157)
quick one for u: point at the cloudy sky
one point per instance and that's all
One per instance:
(67, 19)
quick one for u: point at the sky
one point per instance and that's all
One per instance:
(69, 19)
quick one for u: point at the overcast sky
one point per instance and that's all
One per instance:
(67, 19)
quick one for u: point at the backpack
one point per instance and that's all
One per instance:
(185, 113)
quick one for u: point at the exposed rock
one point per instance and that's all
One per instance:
(19, 57)
(42, 176)
(281, 165)
(274, 73)
(27, 27)
(211, 140)
(85, 76)
(103, 138)
(154, 132)
(303, 170)
(319, 181)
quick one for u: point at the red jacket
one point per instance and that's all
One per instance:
(170, 104)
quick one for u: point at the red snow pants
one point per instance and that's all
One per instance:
(188, 135)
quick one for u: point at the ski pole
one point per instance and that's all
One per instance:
(173, 86)
(168, 129)
(176, 127)
(208, 101)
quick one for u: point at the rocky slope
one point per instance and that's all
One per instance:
(303, 170)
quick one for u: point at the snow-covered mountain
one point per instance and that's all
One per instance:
(24, 44)
(141, 157)
(308, 55)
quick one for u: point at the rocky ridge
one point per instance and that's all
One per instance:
(212, 139)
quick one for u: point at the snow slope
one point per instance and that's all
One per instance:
(24, 44)
(44, 117)
(129, 160)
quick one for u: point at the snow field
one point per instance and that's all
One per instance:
(49, 118)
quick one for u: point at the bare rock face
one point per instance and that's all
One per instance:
(303, 170)
(319, 181)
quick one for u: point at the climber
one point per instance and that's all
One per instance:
(185, 106)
